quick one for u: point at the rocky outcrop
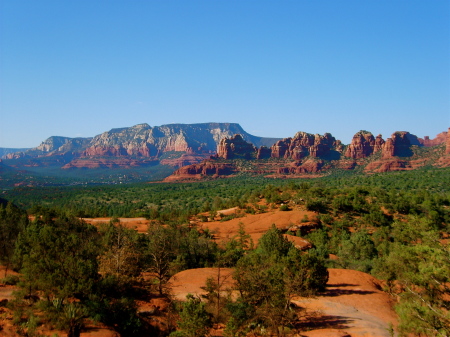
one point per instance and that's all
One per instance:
(441, 138)
(399, 145)
(145, 142)
(235, 147)
(184, 160)
(363, 145)
(308, 166)
(263, 153)
(305, 144)
(53, 146)
(388, 166)
(186, 145)
(447, 150)
(202, 170)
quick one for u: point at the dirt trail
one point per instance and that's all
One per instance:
(353, 304)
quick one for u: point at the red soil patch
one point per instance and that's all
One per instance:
(191, 281)
(256, 224)
(353, 304)
(299, 242)
(140, 224)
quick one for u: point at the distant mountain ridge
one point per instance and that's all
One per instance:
(140, 141)
(5, 151)
(181, 145)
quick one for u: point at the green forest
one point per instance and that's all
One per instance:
(394, 226)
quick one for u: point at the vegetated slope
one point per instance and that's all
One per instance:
(393, 225)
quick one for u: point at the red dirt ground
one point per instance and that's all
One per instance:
(256, 224)
(140, 224)
(353, 304)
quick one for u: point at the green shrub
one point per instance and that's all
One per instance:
(10, 280)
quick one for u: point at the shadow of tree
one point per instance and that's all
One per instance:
(335, 290)
(324, 322)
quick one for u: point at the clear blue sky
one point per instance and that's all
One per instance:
(79, 68)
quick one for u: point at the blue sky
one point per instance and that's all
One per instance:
(79, 68)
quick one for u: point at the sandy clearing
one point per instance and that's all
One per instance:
(257, 224)
(140, 224)
(191, 281)
(353, 304)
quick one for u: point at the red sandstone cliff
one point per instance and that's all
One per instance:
(363, 145)
(235, 147)
(305, 144)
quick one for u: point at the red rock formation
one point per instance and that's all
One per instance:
(399, 145)
(379, 141)
(447, 149)
(280, 148)
(346, 164)
(184, 160)
(305, 144)
(361, 146)
(388, 150)
(309, 166)
(209, 168)
(235, 146)
(263, 153)
(388, 165)
(115, 151)
(441, 138)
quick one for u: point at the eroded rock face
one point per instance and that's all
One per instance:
(263, 153)
(145, 141)
(363, 145)
(379, 142)
(308, 166)
(388, 165)
(235, 147)
(399, 145)
(305, 144)
(447, 150)
(54, 146)
(441, 138)
(206, 168)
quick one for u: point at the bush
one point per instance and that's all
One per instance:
(284, 208)
(10, 280)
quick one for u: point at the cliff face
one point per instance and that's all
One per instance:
(315, 154)
(447, 151)
(54, 146)
(363, 145)
(145, 142)
(305, 144)
(179, 145)
(399, 145)
(235, 147)
(441, 138)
